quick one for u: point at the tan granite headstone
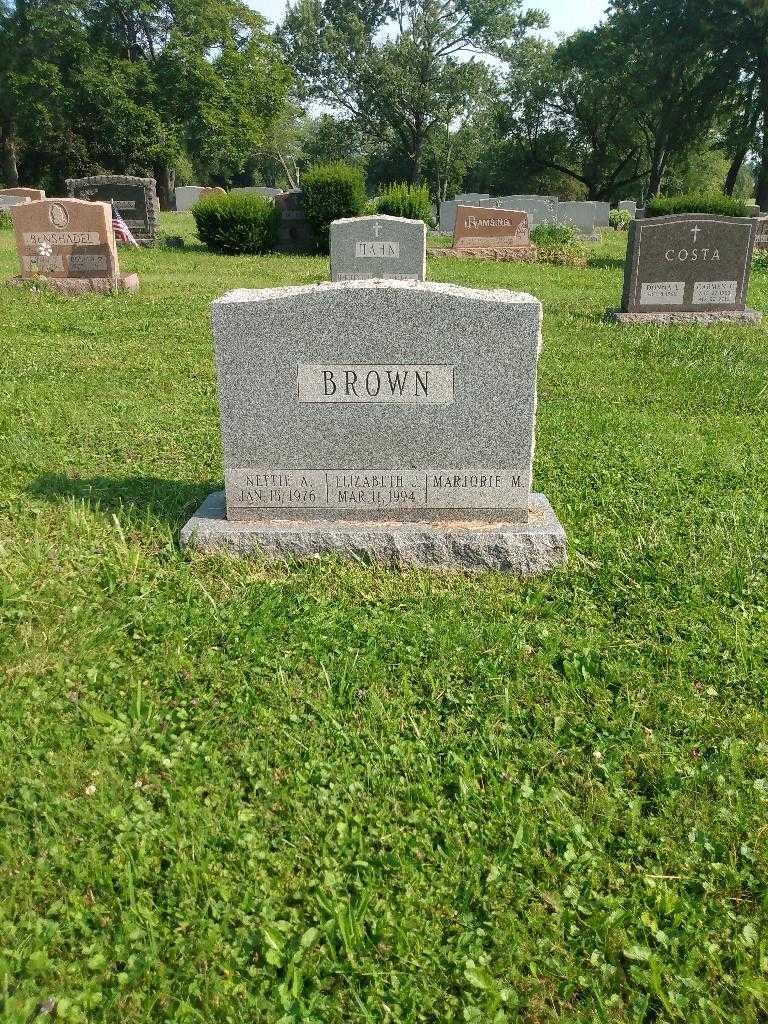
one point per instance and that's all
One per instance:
(479, 227)
(30, 193)
(70, 243)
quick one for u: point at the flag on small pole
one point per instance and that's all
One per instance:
(121, 229)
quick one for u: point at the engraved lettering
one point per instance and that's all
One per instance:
(328, 382)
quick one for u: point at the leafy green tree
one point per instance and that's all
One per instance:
(129, 86)
(402, 70)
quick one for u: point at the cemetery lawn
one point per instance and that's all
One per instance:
(234, 792)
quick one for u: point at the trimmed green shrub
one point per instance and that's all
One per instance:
(559, 244)
(332, 191)
(697, 202)
(620, 219)
(551, 235)
(5, 219)
(403, 200)
(239, 223)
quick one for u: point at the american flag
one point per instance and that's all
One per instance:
(121, 229)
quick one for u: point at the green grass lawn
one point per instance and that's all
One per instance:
(234, 792)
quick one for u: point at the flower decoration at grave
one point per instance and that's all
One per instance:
(45, 249)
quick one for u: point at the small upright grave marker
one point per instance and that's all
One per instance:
(296, 234)
(135, 199)
(69, 243)
(384, 419)
(688, 266)
(28, 193)
(488, 233)
(365, 248)
(188, 195)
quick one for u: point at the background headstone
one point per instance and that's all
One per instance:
(32, 194)
(540, 209)
(262, 190)
(6, 202)
(365, 248)
(482, 227)
(295, 233)
(628, 204)
(70, 242)
(602, 214)
(688, 263)
(388, 418)
(761, 236)
(135, 199)
(580, 216)
(188, 195)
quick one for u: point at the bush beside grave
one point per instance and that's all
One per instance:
(697, 202)
(237, 224)
(403, 200)
(332, 191)
(559, 244)
(5, 219)
(620, 220)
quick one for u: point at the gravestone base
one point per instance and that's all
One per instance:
(523, 549)
(709, 316)
(518, 254)
(81, 285)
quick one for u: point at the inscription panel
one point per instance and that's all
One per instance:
(662, 293)
(705, 292)
(399, 384)
(345, 490)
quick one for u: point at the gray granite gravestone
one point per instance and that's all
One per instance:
(135, 199)
(470, 198)
(365, 248)
(540, 209)
(602, 215)
(384, 419)
(628, 204)
(580, 216)
(6, 202)
(688, 266)
(296, 234)
(761, 237)
(261, 190)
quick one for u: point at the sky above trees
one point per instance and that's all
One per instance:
(564, 15)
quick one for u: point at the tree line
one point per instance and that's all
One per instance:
(660, 96)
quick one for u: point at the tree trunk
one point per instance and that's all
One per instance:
(733, 172)
(9, 171)
(166, 186)
(761, 196)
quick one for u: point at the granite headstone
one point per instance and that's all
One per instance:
(29, 193)
(70, 243)
(6, 202)
(295, 233)
(628, 204)
(384, 419)
(478, 227)
(580, 216)
(188, 195)
(688, 264)
(135, 199)
(365, 248)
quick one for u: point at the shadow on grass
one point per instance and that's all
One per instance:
(171, 501)
(605, 263)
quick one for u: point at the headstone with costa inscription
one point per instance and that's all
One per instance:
(391, 420)
(135, 199)
(365, 248)
(70, 244)
(688, 266)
